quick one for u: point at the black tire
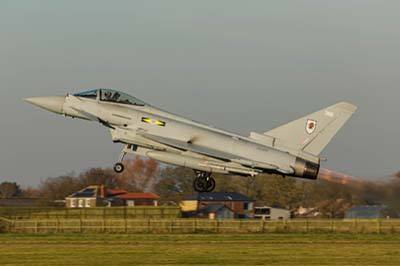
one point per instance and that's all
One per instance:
(211, 184)
(119, 168)
(200, 185)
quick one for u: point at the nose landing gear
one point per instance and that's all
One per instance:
(204, 182)
(119, 167)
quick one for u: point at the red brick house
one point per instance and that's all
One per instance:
(98, 196)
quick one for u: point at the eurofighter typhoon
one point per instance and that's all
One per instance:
(290, 150)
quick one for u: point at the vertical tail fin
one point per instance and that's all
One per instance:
(312, 133)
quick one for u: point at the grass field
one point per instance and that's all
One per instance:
(196, 249)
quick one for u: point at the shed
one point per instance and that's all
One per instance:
(270, 213)
(217, 211)
(135, 199)
(241, 205)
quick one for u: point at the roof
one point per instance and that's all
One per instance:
(219, 196)
(114, 192)
(214, 208)
(88, 192)
(138, 196)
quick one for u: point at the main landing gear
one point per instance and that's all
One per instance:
(204, 182)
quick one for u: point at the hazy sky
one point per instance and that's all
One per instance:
(240, 65)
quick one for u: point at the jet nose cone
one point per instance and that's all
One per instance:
(53, 104)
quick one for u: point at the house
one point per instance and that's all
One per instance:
(270, 213)
(135, 199)
(89, 197)
(216, 211)
(370, 212)
(198, 205)
(99, 196)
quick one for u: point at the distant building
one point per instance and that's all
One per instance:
(370, 212)
(135, 199)
(217, 211)
(89, 197)
(198, 205)
(98, 196)
(269, 213)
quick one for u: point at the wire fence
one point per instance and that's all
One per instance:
(182, 226)
(161, 212)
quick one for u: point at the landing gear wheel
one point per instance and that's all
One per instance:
(211, 184)
(204, 184)
(200, 185)
(119, 168)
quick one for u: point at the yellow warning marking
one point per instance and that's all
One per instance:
(153, 122)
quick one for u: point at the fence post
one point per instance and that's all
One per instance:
(355, 226)
(216, 226)
(378, 225)
(103, 224)
(263, 226)
(171, 226)
(36, 227)
(126, 224)
(148, 225)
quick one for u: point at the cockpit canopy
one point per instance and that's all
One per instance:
(109, 95)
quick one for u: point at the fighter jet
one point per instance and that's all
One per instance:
(290, 150)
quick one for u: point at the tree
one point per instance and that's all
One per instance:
(9, 190)
(139, 175)
(175, 183)
(58, 188)
(99, 176)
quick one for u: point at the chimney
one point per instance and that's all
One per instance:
(103, 191)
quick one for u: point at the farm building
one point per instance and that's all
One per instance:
(370, 212)
(98, 196)
(134, 199)
(270, 213)
(216, 211)
(206, 205)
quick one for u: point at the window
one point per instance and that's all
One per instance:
(80, 205)
(130, 203)
(108, 95)
(264, 211)
(73, 203)
(87, 94)
(88, 203)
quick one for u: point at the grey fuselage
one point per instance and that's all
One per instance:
(149, 131)
(127, 120)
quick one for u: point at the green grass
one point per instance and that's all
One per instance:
(197, 249)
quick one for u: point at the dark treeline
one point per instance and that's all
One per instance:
(175, 183)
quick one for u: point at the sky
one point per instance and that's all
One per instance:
(239, 65)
